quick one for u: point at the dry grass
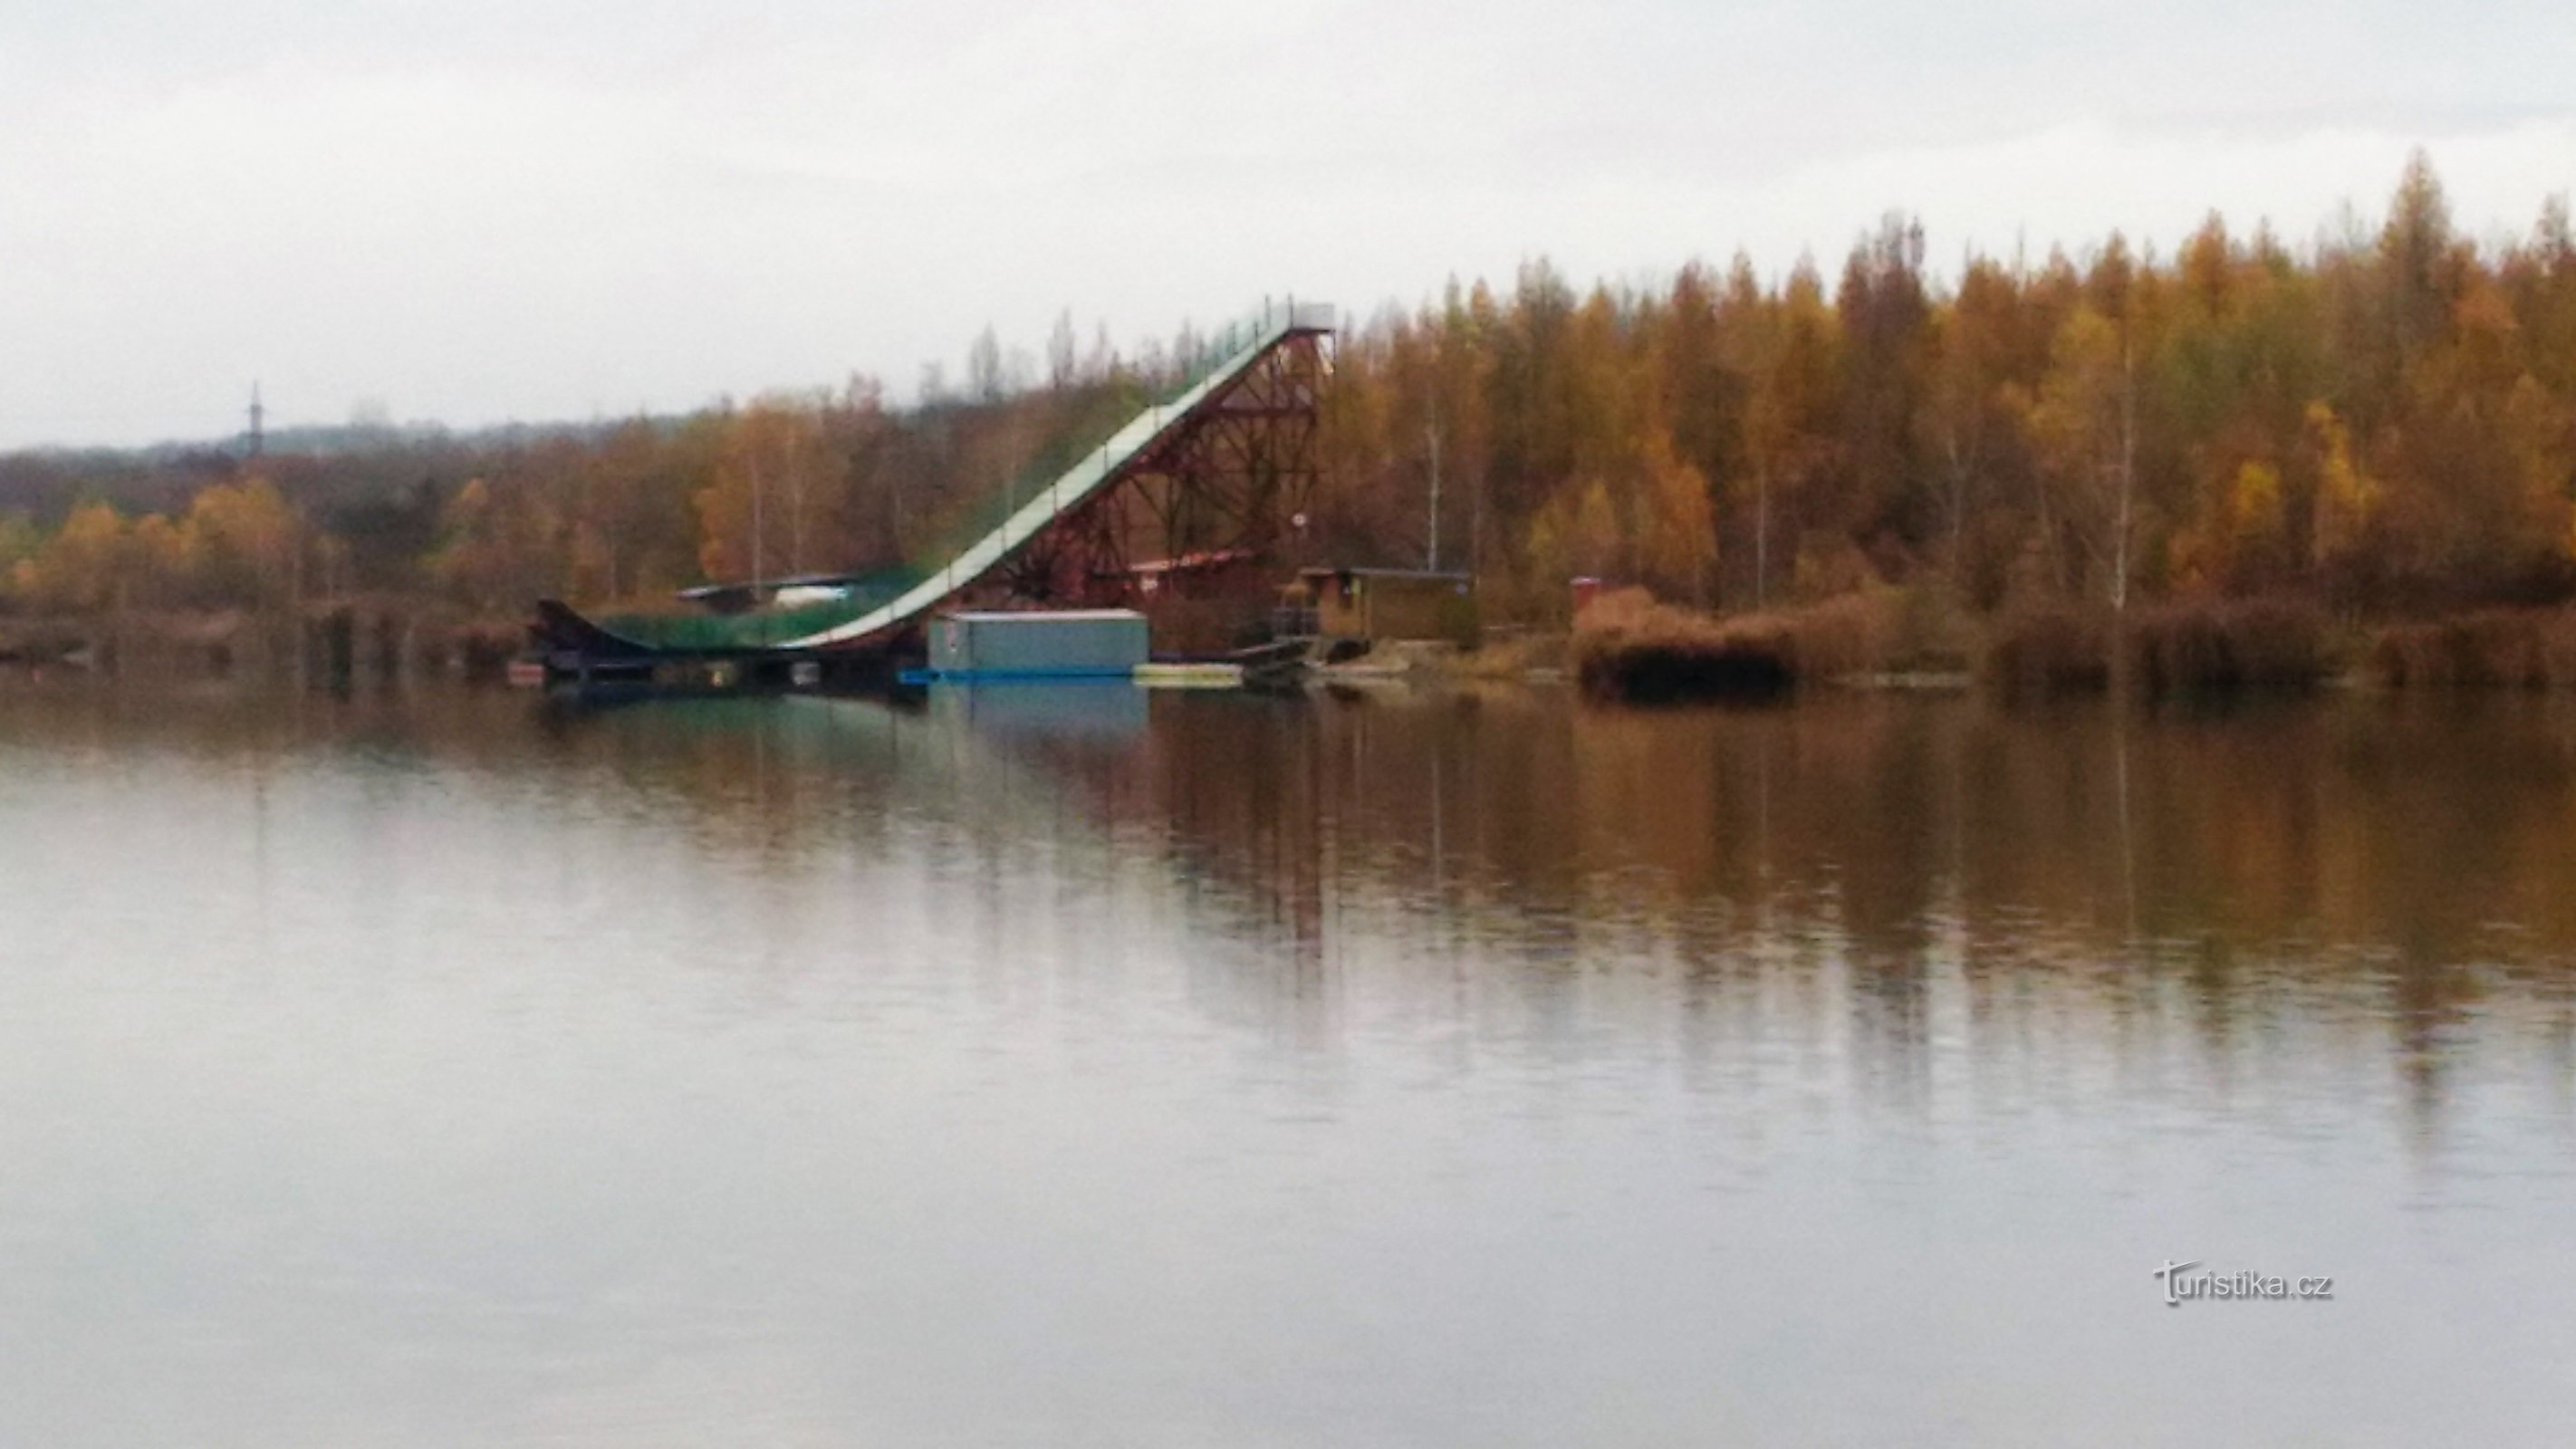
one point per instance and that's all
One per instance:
(2497, 649)
(1627, 646)
(2225, 647)
(1854, 634)
(2048, 649)
(2558, 647)
(2220, 647)
(1514, 656)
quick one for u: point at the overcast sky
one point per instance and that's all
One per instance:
(479, 210)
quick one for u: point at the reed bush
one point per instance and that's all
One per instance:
(1513, 656)
(1852, 634)
(2048, 648)
(1628, 647)
(2496, 649)
(2225, 646)
(2558, 647)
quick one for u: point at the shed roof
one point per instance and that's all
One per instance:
(1441, 576)
(1042, 616)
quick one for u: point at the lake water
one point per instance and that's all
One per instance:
(1072, 1067)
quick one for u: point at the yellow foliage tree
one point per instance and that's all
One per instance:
(1678, 530)
(81, 569)
(157, 556)
(243, 540)
(465, 562)
(2540, 434)
(1575, 532)
(2083, 424)
(766, 511)
(2347, 498)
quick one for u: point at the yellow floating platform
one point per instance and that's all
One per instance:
(1189, 676)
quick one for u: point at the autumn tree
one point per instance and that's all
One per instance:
(2083, 422)
(19, 541)
(1792, 444)
(1886, 323)
(81, 569)
(243, 542)
(1965, 420)
(775, 493)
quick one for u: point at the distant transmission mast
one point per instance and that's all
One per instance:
(258, 416)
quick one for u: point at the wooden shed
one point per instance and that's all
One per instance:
(1375, 603)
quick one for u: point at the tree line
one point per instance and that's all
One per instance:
(2383, 421)
(826, 480)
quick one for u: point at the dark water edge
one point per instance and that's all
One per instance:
(1081, 1065)
(375, 641)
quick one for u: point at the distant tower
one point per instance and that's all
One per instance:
(258, 415)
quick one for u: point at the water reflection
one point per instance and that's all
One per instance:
(1101, 1066)
(2381, 871)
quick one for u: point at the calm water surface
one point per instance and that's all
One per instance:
(1075, 1068)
